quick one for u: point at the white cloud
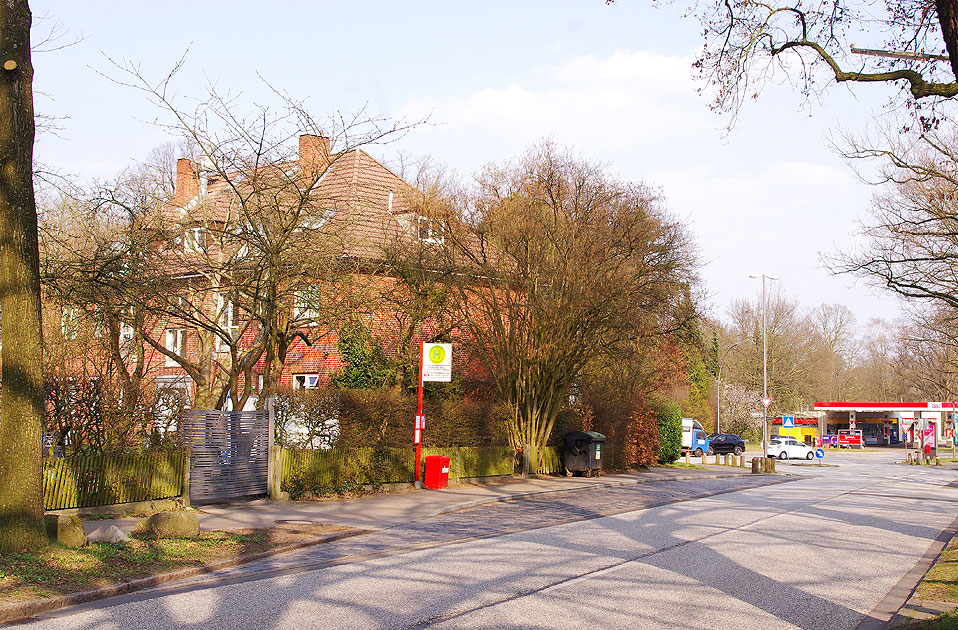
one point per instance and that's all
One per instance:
(767, 198)
(629, 101)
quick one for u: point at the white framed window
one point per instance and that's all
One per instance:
(176, 343)
(305, 381)
(194, 240)
(307, 305)
(126, 332)
(98, 323)
(70, 322)
(431, 231)
(228, 320)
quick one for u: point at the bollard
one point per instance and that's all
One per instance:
(718, 461)
(937, 462)
(909, 456)
(756, 465)
(741, 461)
(704, 459)
(688, 456)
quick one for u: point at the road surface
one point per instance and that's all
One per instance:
(820, 551)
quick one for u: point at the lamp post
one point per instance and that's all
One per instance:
(718, 387)
(764, 277)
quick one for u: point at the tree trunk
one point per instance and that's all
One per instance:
(948, 20)
(21, 412)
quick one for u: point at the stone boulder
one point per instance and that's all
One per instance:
(114, 534)
(170, 525)
(65, 530)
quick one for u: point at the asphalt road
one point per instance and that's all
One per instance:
(817, 552)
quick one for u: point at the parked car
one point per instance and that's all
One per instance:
(726, 443)
(787, 447)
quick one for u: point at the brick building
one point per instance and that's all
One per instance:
(329, 206)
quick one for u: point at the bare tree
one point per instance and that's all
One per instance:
(256, 245)
(911, 243)
(563, 265)
(21, 414)
(422, 294)
(749, 43)
(790, 342)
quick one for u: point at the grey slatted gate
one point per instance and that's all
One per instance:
(229, 454)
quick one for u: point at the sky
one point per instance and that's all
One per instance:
(612, 82)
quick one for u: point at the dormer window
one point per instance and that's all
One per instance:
(316, 219)
(431, 231)
(194, 240)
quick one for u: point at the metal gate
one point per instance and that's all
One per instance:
(229, 454)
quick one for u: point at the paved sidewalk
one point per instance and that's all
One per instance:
(387, 510)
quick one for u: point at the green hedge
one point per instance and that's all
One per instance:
(91, 480)
(341, 470)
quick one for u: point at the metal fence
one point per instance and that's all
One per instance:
(229, 454)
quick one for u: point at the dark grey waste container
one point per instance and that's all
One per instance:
(583, 452)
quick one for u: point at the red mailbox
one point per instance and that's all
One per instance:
(437, 472)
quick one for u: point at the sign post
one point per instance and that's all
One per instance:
(766, 401)
(435, 364)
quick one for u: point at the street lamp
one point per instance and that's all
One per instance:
(764, 277)
(718, 387)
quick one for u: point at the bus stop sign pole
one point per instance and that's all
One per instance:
(420, 424)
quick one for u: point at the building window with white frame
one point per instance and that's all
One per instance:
(70, 322)
(228, 320)
(305, 381)
(176, 343)
(194, 240)
(307, 304)
(431, 231)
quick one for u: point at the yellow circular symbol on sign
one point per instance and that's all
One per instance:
(437, 354)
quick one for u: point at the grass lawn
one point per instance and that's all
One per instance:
(59, 570)
(940, 584)
(947, 621)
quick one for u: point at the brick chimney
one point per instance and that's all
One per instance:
(187, 184)
(313, 155)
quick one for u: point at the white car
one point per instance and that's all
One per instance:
(786, 447)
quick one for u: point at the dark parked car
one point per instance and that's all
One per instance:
(726, 443)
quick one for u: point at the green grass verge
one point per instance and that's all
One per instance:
(940, 584)
(946, 621)
(59, 570)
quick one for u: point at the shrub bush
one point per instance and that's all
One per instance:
(353, 418)
(669, 417)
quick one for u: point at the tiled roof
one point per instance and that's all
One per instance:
(361, 199)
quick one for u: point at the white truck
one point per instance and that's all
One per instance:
(694, 438)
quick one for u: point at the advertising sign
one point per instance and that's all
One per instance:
(849, 438)
(437, 362)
